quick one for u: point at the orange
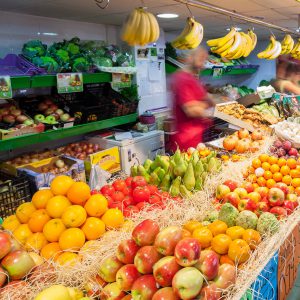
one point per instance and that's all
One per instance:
(220, 243)
(72, 239)
(36, 242)
(266, 166)
(287, 179)
(270, 183)
(274, 168)
(252, 178)
(50, 251)
(277, 177)
(204, 236)
(79, 193)
(11, 223)
(297, 191)
(74, 216)
(40, 198)
(239, 251)
(37, 220)
(185, 234)
(192, 225)
(93, 228)
(96, 206)
(268, 175)
(281, 162)
(251, 170)
(67, 259)
(295, 173)
(292, 163)
(113, 218)
(272, 160)
(235, 232)
(53, 230)
(263, 157)
(24, 211)
(285, 170)
(255, 185)
(296, 182)
(256, 163)
(22, 233)
(291, 189)
(224, 259)
(57, 205)
(261, 181)
(61, 184)
(217, 227)
(252, 237)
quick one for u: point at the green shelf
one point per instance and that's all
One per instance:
(52, 135)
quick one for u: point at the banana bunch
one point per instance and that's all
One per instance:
(190, 37)
(234, 45)
(295, 53)
(287, 44)
(140, 28)
(272, 51)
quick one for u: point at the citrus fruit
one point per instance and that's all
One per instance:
(264, 158)
(287, 179)
(291, 189)
(295, 173)
(270, 183)
(53, 230)
(281, 162)
(113, 218)
(72, 239)
(22, 233)
(239, 251)
(93, 228)
(255, 185)
(37, 220)
(292, 163)
(266, 166)
(67, 259)
(96, 206)
(24, 211)
(296, 182)
(204, 236)
(57, 205)
(261, 181)
(11, 223)
(192, 225)
(217, 227)
(285, 170)
(35, 242)
(256, 163)
(61, 184)
(235, 232)
(268, 175)
(74, 216)
(272, 160)
(224, 259)
(220, 243)
(79, 193)
(252, 237)
(274, 168)
(252, 178)
(50, 251)
(40, 198)
(277, 177)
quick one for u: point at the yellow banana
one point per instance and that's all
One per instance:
(236, 44)
(276, 52)
(146, 29)
(154, 28)
(248, 42)
(270, 49)
(219, 50)
(253, 37)
(223, 40)
(287, 44)
(197, 37)
(177, 42)
(129, 26)
(140, 29)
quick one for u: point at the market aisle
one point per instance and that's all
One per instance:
(295, 292)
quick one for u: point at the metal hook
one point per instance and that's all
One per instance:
(272, 34)
(191, 14)
(99, 2)
(143, 3)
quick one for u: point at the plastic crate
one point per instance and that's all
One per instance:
(13, 192)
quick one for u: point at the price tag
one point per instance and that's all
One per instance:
(5, 87)
(217, 72)
(120, 80)
(69, 82)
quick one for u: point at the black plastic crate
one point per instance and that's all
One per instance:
(13, 192)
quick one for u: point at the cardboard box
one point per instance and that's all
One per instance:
(40, 180)
(7, 134)
(249, 100)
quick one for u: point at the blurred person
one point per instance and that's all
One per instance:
(192, 106)
(293, 73)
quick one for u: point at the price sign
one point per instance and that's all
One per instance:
(5, 87)
(69, 82)
(120, 80)
(218, 72)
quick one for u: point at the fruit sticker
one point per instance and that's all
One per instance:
(5, 87)
(69, 82)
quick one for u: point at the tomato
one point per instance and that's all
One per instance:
(119, 185)
(138, 181)
(117, 196)
(127, 191)
(153, 189)
(107, 190)
(165, 196)
(128, 181)
(117, 205)
(154, 199)
(109, 200)
(128, 200)
(131, 209)
(141, 194)
(142, 205)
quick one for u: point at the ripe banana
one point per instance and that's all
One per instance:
(253, 37)
(272, 51)
(287, 44)
(223, 40)
(237, 43)
(249, 44)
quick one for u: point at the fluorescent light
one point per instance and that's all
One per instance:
(167, 16)
(237, 28)
(49, 33)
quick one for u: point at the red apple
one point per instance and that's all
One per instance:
(127, 297)
(226, 276)
(164, 270)
(233, 198)
(248, 186)
(112, 292)
(94, 286)
(109, 268)
(293, 152)
(165, 293)
(282, 186)
(187, 252)
(279, 212)
(3, 277)
(231, 184)
(187, 283)
(18, 264)
(208, 264)
(5, 244)
(242, 204)
(126, 251)
(145, 233)
(145, 259)
(144, 288)
(126, 276)
(255, 196)
(167, 240)
(262, 207)
(210, 292)
(287, 145)
(263, 191)
(250, 205)
(289, 206)
(241, 192)
(221, 191)
(276, 197)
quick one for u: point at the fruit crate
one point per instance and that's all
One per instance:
(13, 192)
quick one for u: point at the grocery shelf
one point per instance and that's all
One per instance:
(61, 133)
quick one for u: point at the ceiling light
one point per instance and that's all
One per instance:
(49, 33)
(167, 16)
(237, 29)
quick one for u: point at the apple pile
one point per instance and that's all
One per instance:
(163, 264)
(80, 150)
(134, 194)
(12, 115)
(284, 149)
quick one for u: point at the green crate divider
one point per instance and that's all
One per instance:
(20, 82)
(51, 135)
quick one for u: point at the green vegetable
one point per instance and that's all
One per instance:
(267, 223)
(103, 62)
(34, 48)
(80, 64)
(228, 214)
(73, 48)
(46, 62)
(247, 219)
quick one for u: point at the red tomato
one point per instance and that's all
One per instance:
(154, 199)
(117, 196)
(128, 181)
(119, 185)
(127, 191)
(141, 194)
(142, 205)
(130, 210)
(109, 200)
(128, 200)
(165, 196)
(107, 190)
(153, 189)
(138, 181)
(117, 205)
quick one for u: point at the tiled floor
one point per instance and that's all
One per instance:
(295, 292)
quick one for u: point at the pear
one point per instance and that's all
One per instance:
(174, 190)
(147, 164)
(203, 176)
(134, 171)
(199, 184)
(185, 193)
(164, 163)
(180, 168)
(155, 164)
(213, 165)
(177, 156)
(199, 169)
(166, 183)
(161, 174)
(143, 172)
(189, 177)
(154, 179)
(195, 158)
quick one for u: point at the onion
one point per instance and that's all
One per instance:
(229, 143)
(243, 133)
(60, 163)
(242, 146)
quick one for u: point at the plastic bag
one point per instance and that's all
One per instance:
(287, 105)
(98, 177)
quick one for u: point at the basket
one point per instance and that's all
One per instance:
(13, 192)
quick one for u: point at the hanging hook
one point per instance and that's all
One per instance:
(191, 14)
(100, 3)
(272, 34)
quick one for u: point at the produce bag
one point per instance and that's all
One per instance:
(287, 105)
(98, 177)
(289, 130)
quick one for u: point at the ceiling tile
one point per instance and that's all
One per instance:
(276, 3)
(289, 11)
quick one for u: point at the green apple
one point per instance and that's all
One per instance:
(50, 120)
(39, 118)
